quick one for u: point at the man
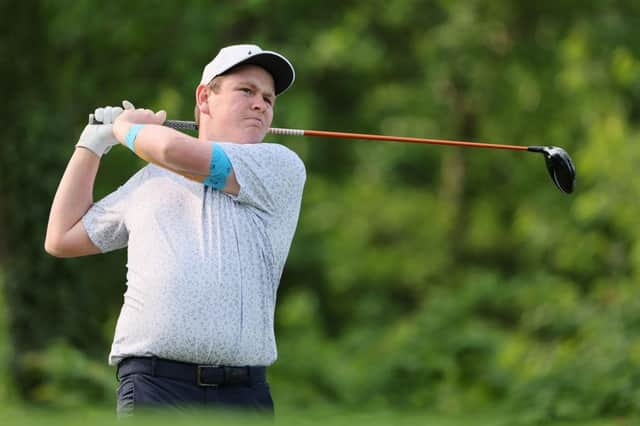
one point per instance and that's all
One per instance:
(207, 241)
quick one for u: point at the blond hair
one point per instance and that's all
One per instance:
(214, 86)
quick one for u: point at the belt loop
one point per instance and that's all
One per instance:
(153, 366)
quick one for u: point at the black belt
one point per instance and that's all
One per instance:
(202, 375)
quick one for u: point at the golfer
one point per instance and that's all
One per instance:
(207, 224)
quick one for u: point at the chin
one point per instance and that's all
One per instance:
(254, 136)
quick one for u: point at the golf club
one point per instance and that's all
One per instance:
(559, 164)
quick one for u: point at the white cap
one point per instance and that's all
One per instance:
(275, 64)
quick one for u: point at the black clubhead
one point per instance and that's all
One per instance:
(560, 166)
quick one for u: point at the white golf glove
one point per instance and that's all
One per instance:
(99, 138)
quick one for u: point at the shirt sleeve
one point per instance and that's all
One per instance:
(105, 220)
(271, 176)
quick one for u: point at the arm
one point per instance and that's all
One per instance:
(66, 235)
(169, 148)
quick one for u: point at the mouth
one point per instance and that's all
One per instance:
(255, 121)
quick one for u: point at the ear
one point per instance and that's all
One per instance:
(202, 98)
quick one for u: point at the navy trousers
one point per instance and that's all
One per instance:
(147, 383)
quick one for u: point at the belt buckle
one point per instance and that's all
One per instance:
(199, 377)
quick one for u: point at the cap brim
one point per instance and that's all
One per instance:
(278, 66)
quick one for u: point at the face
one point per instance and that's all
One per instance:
(242, 109)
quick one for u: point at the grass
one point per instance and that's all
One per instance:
(97, 416)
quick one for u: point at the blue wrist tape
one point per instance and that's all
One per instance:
(130, 139)
(219, 169)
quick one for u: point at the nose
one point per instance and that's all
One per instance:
(259, 104)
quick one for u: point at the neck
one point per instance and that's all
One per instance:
(206, 132)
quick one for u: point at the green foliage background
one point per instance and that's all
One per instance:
(421, 277)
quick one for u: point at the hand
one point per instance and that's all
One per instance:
(132, 116)
(99, 138)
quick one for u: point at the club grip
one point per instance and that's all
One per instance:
(174, 124)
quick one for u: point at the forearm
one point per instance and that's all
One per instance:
(171, 149)
(65, 236)
(175, 151)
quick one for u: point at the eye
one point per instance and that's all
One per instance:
(246, 90)
(268, 100)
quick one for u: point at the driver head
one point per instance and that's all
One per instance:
(559, 165)
(561, 168)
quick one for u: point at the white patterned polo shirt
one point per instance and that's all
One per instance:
(203, 266)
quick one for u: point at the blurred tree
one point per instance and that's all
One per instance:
(463, 275)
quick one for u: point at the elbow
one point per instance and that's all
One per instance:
(55, 248)
(52, 249)
(50, 245)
